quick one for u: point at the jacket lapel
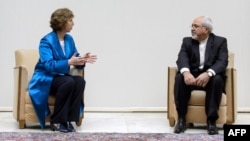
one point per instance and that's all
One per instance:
(208, 47)
(196, 50)
(67, 48)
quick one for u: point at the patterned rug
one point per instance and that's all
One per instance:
(78, 136)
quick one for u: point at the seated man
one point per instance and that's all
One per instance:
(202, 62)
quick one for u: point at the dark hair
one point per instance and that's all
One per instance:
(59, 18)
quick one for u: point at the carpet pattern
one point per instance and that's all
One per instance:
(78, 136)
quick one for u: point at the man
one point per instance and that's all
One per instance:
(202, 62)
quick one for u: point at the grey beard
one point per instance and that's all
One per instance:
(194, 37)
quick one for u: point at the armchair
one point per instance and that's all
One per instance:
(196, 106)
(23, 111)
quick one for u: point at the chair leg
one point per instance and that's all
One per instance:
(190, 125)
(171, 122)
(79, 123)
(22, 124)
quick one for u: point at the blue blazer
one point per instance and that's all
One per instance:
(216, 55)
(52, 61)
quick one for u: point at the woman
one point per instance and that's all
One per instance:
(58, 52)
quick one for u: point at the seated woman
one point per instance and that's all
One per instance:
(57, 52)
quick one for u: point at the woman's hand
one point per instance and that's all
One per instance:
(89, 58)
(76, 60)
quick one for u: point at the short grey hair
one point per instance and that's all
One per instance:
(207, 22)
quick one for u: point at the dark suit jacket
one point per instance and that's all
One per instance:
(216, 55)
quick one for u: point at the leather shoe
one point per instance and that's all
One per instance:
(181, 126)
(58, 127)
(70, 127)
(212, 128)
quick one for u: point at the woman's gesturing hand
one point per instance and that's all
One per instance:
(90, 58)
(81, 60)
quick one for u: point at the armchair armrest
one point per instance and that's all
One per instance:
(230, 90)
(172, 115)
(77, 71)
(20, 89)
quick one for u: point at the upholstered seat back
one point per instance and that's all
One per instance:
(27, 58)
(230, 60)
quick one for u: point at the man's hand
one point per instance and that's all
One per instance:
(188, 78)
(202, 79)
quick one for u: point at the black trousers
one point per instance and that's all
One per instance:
(68, 91)
(213, 89)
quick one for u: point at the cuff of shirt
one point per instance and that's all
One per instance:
(212, 71)
(184, 69)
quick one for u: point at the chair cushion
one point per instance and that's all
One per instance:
(198, 98)
(196, 114)
(51, 100)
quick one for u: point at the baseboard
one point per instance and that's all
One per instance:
(6, 109)
(243, 109)
(128, 109)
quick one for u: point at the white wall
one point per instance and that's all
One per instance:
(135, 40)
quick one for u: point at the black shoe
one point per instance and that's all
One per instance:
(58, 127)
(211, 128)
(181, 126)
(70, 127)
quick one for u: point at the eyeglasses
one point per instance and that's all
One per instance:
(195, 26)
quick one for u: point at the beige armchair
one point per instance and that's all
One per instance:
(196, 106)
(23, 111)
